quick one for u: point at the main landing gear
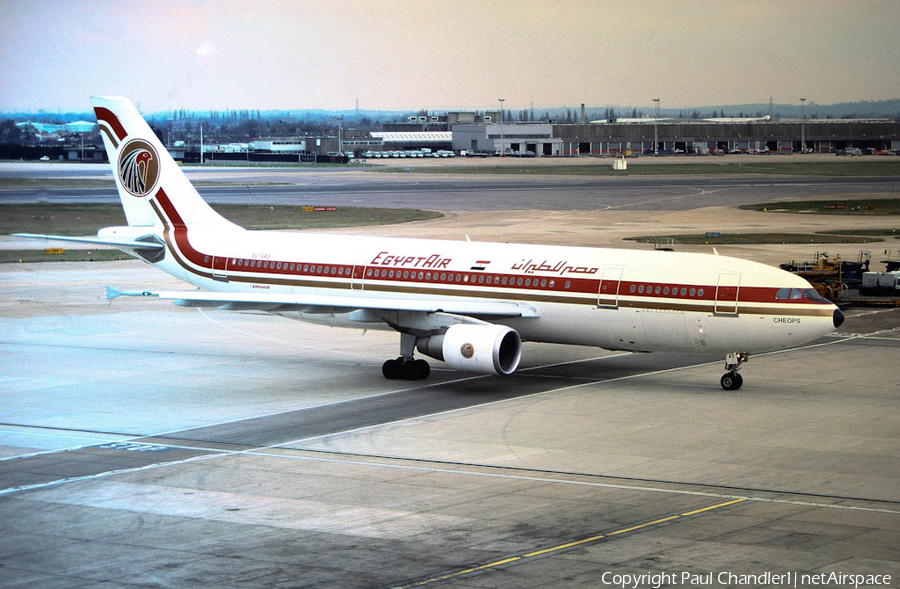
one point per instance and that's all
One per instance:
(403, 369)
(406, 367)
(731, 380)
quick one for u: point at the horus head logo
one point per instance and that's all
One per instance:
(138, 167)
(467, 351)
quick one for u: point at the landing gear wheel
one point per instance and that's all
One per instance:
(731, 381)
(417, 370)
(392, 369)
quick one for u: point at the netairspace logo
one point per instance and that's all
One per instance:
(791, 579)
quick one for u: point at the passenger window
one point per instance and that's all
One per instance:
(657, 290)
(700, 293)
(641, 289)
(567, 284)
(693, 291)
(666, 290)
(683, 291)
(503, 282)
(632, 289)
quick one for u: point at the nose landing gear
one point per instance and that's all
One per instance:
(731, 380)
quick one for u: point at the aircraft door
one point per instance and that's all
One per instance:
(608, 294)
(220, 262)
(358, 278)
(727, 290)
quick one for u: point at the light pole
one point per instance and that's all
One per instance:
(502, 150)
(803, 127)
(655, 133)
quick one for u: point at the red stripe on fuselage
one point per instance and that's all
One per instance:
(106, 115)
(180, 231)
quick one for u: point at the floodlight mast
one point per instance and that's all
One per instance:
(502, 150)
(655, 133)
(803, 127)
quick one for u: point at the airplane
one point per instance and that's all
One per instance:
(469, 304)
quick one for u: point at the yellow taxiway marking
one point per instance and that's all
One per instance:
(567, 545)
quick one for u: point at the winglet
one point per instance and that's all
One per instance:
(112, 293)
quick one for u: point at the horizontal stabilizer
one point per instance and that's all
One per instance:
(114, 293)
(130, 243)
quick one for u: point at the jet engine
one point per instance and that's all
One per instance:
(483, 349)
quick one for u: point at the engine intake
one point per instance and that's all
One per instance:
(482, 349)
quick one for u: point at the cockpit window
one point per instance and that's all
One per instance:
(796, 294)
(814, 296)
(782, 294)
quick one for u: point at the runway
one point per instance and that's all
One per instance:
(144, 444)
(469, 193)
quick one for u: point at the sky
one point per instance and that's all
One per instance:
(461, 54)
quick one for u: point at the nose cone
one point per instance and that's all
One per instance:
(838, 318)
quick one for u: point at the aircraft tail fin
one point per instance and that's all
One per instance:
(145, 172)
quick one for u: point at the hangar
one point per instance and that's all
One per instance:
(514, 138)
(727, 136)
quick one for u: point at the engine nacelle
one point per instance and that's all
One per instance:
(483, 349)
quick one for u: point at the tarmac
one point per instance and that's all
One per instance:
(147, 445)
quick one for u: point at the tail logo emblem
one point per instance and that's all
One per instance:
(138, 167)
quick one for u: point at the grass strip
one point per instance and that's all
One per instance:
(68, 255)
(86, 219)
(756, 238)
(837, 206)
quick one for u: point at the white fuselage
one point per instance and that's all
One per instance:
(611, 298)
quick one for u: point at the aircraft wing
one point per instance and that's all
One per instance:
(310, 303)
